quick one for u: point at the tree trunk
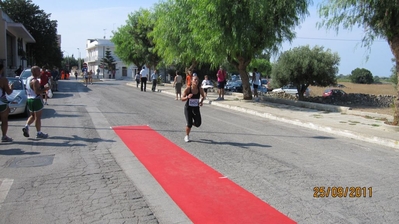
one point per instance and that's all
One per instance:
(394, 44)
(242, 69)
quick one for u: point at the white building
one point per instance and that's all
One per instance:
(96, 50)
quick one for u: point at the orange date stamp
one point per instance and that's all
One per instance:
(342, 192)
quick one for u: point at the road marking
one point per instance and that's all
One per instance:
(5, 185)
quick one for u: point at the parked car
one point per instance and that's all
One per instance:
(234, 86)
(334, 93)
(261, 86)
(24, 75)
(290, 89)
(18, 98)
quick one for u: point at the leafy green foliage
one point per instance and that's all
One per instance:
(263, 65)
(46, 50)
(193, 31)
(108, 61)
(132, 43)
(303, 66)
(361, 75)
(378, 18)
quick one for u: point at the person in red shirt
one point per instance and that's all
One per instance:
(44, 80)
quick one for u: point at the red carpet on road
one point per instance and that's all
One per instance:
(201, 192)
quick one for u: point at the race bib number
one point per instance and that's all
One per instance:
(193, 102)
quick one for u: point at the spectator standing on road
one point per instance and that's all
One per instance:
(255, 82)
(189, 76)
(192, 113)
(56, 76)
(221, 76)
(5, 88)
(98, 73)
(178, 84)
(154, 78)
(76, 75)
(143, 79)
(35, 103)
(91, 77)
(206, 83)
(137, 78)
(44, 81)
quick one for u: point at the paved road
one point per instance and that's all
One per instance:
(88, 176)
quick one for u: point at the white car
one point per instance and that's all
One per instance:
(24, 75)
(18, 99)
(290, 89)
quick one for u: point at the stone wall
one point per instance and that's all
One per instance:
(352, 100)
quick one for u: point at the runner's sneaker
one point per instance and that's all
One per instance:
(41, 135)
(6, 139)
(25, 130)
(186, 139)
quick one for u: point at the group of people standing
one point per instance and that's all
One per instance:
(142, 77)
(35, 90)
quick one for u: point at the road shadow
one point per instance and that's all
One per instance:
(16, 152)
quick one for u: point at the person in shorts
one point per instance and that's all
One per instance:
(35, 103)
(255, 81)
(5, 88)
(221, 76)
(178, 84)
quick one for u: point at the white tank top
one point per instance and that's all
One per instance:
(31, 93)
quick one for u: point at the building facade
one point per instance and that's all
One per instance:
(13, 40)
(96, 50)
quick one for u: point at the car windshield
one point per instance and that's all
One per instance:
(25, 74)
(16, 84)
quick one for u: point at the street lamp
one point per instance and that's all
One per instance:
(79, 60)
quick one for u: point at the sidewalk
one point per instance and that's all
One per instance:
(368, 127)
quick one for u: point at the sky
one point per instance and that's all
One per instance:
(89, 19)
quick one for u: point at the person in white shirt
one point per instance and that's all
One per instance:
(143, 78)
(154, 79)
(255, 81)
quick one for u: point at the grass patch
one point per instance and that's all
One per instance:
(354, 122)
(375, 125)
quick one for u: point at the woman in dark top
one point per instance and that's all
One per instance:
(192, 95)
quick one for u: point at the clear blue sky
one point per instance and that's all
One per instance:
(87, 19)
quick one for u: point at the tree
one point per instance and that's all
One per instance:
(173, 37)
(46, 50)
(378, 18)
(303, 66)
(108, 61)
(263, 65)
(361, 75)
(132, 43)
(242, 30)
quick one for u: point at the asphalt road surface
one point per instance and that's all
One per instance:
(80, 174)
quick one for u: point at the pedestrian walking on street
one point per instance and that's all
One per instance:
(137, 78)
(44, 81)
(76, 75)
(143, 79)
(178, 84)
(5, 88)
(35, 103)
(192, 95)
(154, 78)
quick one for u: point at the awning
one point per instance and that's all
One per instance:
(19, 30)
